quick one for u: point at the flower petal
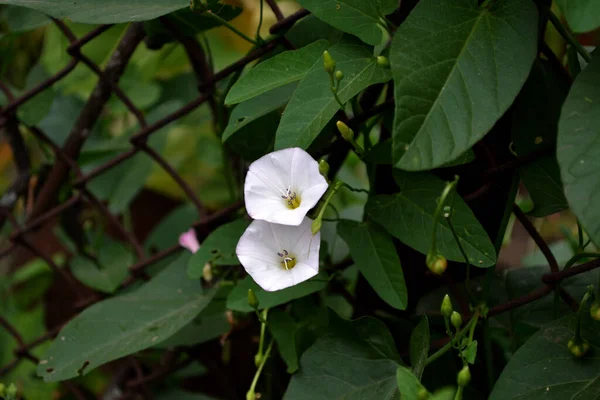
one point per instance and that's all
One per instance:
(189, 241)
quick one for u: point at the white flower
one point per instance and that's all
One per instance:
(282, 186)
(189, 241)
(279, 256)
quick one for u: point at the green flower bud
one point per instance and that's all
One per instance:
(323, 168)
(252, 299)
(250, 395)
(328, 62)
(456, 319)
(339, 75)
(423, 394)
(258, 359)
(464, 376)
(595, 311)
(347, 133)
(383, 62)
(316, 226)
(446, 307)
(437, 264)
(578, 347)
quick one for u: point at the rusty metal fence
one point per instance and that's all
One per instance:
(65, 169)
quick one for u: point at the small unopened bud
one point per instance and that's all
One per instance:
(423, 394)
(464, 376)
(347, 133)
(328, 62)
(595, 311)
(383, 62)
(258, 359)
(437, 264)
(207, 272)
(316, 225)
(578, 347)
(323, 168)
(456, 319)
(339, 75)
(250, 395)
(252, 299)
(446, 307)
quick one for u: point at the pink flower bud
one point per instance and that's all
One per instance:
(189, 241)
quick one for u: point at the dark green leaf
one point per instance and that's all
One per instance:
(408, 384)
(21, 19)
(544, 368)
(63, 114)
(470, 352)
(35, 109)
(352, 360)
(578, 147)
(375, 255)
(218, 248)
(287, 67)
(313, 105)
(310, 29)
(103, 11)
(129, 323)
(178, 394)
(419, 347)
(108, 271)
(166, 233)
(238, 298)
(283, 328)
(582, 15)
(535, 126)
(457, 67)
(408, 216)
(363, 18)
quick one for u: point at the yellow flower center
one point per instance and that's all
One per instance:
(287, 260)
(292, 200)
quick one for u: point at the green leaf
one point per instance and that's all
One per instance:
(111, 267)
(238, 298)
(363, 18)
(20, 19)
(310, 29)
(123, 325)
(470, 352)
(408, 384)
(352, 360)
(535, 126)
(218, 248)
(59, 121)
(578, 147)
(166, 233)
(375, 255)
(313, 105)
(582, 15)
(283, 328)
(35, 109)
(457, 67)
(135, 171)
(544, 368)
(408, 216)
(103, 11)
(419, 347)
(287, 67)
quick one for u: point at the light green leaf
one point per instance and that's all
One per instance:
(535, 126)
(103, 11)
(578, 148)
(125, 324)
(218, 248)
(352, 360)
(106, 273)
(287, 67)
(457, 67)
(419, 347)
(408, 216)
(408, 384)
(544, 368)
(313, 105)
(582, 15)
(238, 298)
(375, 255)
(363, 18)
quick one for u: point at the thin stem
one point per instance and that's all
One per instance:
(445, 193)
(231, 27)
(260, 367)
(566, 33)
(344, 184)
(580, 235)
(260, 21)
(448, 346)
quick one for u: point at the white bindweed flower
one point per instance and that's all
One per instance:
(279, 256)
(282, 186)
(189, 241)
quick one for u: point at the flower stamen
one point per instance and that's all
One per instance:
(292, 199)
(287, 261)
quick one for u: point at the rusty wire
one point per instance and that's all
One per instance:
(46, 209)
